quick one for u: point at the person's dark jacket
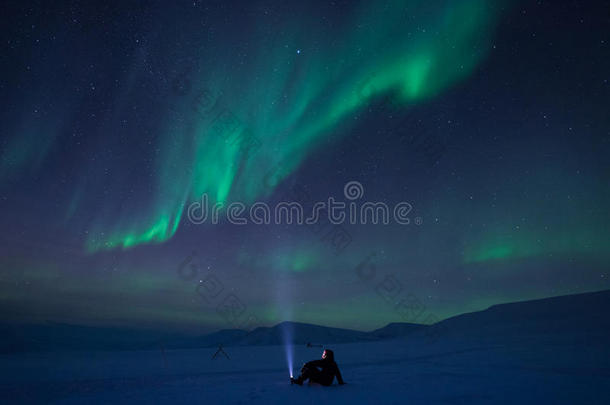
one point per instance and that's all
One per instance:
(329, 369)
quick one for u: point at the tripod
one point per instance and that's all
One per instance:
(220, 351)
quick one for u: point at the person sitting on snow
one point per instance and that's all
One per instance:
(320, 371)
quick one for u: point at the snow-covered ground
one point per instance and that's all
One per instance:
(412, 370)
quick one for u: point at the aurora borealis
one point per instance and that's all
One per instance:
(489, 118)
(290, 101)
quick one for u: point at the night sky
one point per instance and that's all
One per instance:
(491, 119)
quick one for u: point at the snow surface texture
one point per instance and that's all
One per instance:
(513, 354)
(389, 372)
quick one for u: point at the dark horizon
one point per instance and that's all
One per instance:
(191, 333)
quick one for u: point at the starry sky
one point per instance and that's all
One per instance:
(489, 118)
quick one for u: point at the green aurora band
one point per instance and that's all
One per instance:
(289, 101)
